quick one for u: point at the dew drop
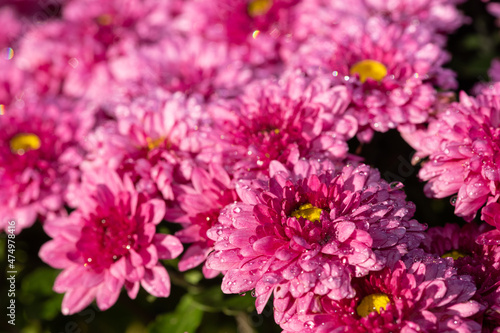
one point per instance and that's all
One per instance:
(453, 200)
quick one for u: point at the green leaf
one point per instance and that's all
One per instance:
(37, 296)
(239, 303)
(186, 318)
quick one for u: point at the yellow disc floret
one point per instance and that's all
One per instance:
(23, 142)
(105, 20)
(154, 143)
(259, 7)
(372, 302)
(308, 212)
(453, 254)
(369, 69)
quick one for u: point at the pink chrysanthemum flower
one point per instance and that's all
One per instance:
(154, 140)
(480, 261)
(181, 63)
(39, 157)
(419, 295)
(149, 20)
(310, 231)
(463, 148)
(441, 16)
(257, 26)
(75, 54)
(107, 243)
(287, 119)
(391, 71)
(200, 202)
(11, 32)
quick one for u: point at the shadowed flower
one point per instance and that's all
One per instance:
(480, 261)
(310, 230)
(109, 242)
(422, 294)
(200, 203)
(463, 147)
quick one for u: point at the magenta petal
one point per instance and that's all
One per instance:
(108, 292)
(76, 275)
(155, 210)
(156, 281)
(149, 255)
(117, 269)
(344, 230)
(135, 258)
(193, 256)
(132, 288)
(133, 273)
(76, 299)
(267, 245)
(55, 252)
(491, 237)
(168, 246)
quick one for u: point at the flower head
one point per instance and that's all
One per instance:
(463, 148)
(284, 120)
(421, 294)
(480, 261)
(39, 157)
(391, 71)
(109, 242)
(154, 140)
(199, 204)
(310, 230)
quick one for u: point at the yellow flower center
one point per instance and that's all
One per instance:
(259, 7)
(105, 19)
(23, 142)
(454, 254)
(154, 143)
(308, 212)
(369, 69)
(372, 302)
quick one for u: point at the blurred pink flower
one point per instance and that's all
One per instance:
(287, 119)
(256, 28)
(437, 16)
(181, 63)
(154, 140)
(40, 153)
(109, 242)
(310, 230)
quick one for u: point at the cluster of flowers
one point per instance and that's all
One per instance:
(231, 118)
